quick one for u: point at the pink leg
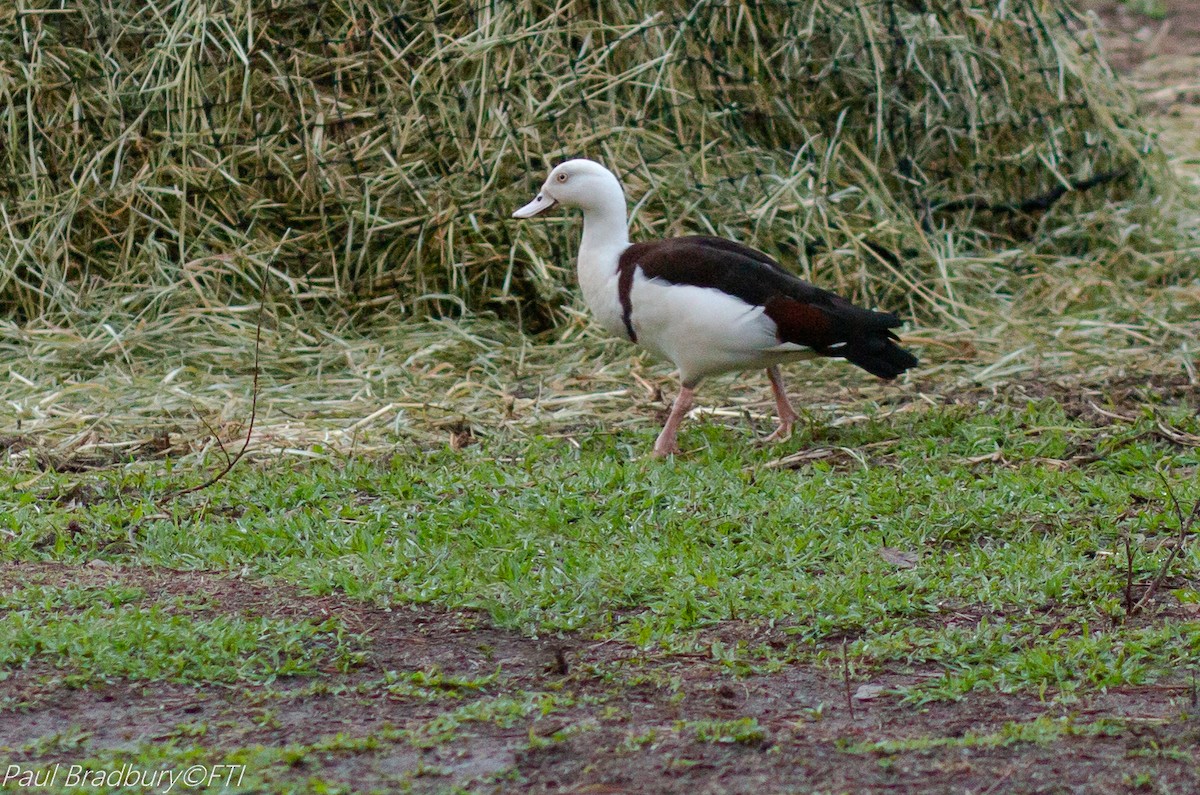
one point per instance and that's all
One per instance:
(666, 445)
(783, 407)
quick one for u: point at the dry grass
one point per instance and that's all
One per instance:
(125, 393)
(159, 155)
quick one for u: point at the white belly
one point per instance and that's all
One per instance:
(704, 331)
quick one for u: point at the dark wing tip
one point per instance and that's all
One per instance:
(880, 356)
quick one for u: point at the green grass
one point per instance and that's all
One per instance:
(740, 730)
(1042, 730)
(90, 634)
(1018, 584)
(1155, 9)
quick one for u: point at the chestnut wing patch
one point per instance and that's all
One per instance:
(803, 323)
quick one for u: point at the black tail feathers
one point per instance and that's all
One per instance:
(878, 354)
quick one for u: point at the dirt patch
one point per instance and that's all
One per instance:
(612, 718)
(1131, 38)
(401, 638)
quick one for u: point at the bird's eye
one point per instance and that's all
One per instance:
(562, 177)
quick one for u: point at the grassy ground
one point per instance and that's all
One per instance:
(448, 565)
(943, 583)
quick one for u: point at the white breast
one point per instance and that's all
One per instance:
(598, 281)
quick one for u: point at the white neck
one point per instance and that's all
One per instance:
(605, 237)
(605, 229)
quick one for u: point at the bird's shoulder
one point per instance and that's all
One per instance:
(718, 263)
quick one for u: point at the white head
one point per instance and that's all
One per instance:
(577, 183)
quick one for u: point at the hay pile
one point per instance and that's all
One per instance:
(923, 152)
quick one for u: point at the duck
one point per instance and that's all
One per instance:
(707, 304)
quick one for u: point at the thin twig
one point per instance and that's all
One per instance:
(846, 680)
(230, 463)
(1185, 526)
(213, 433)
(1039, 203)
(1128, 572)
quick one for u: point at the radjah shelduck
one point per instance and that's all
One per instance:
(707, 304)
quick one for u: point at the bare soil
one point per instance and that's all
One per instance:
(621, 735)
(1131, 38)
(1161, 59)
